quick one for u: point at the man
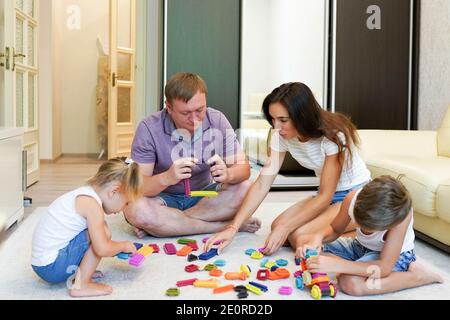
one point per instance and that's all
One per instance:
(188, 140)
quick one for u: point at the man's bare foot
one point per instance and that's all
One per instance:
(425, 275)
(97, 275)
(251, 225)
(91, 290)
(140, 233)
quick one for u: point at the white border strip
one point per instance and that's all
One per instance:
(411, 39)
(333, 59)
(165, 44)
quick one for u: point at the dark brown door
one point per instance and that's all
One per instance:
(372, 62)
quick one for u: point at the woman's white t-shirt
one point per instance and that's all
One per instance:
(312, 154)
(59, 225)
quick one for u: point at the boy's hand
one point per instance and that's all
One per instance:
(308, 241)
(324, 264)
(128, 247)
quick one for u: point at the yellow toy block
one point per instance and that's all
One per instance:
(270, 264)
(253, 289)
(211, 283)
(145, 251)
(257, 255)
(209, 194)
(245, 269)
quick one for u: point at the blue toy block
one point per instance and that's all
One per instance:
(138, 245)
(208, 255)
(282, 262)
(274, 268)
(259, 285)
(220, 263)
(298, 261)
(249, 251)
(299, 283)
(263, 262)
(311, 253)
(123, 255)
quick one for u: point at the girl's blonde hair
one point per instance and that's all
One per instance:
(117, 169)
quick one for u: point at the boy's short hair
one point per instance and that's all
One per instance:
(183, 86)
(382, 204)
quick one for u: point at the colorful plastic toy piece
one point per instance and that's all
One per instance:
(270, 264)
(235, 276)
(246, 269)
(209, 267)
(253, 289)
(184, 283)
(249, 251)
(307, 278)
(311, 253)
(263, 262)
(208, 255)
(173, 292)
(323, 289)
(297, 261)
(223, 289)
(299, 283)
(262, 274)
(273, 268)
(187, 187)
(286, 291)
(242, 294)
(282, 262)
(298, 273)
(136, 259)
(257, 255)
(220, 263)
(191, 268)
(211, 283)
(215, 273)
(138, 245)
(145, 251)
(259, 285)
(155, 247)
(280, 273)
(184, 251)
(170, 249)
(193, 245)
(205, 239)
(192, 257)
(240, 288)
(261, 250)
(123, 255)
(203, 193)
(185, 241)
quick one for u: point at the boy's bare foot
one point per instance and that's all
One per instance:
(97, 275)
(251, 225)
(140, 233)
(91, 290)
(425, 275)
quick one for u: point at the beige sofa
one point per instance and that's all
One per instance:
(423, 157)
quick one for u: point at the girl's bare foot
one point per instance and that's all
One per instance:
(140, 233)
(424, 275)
(91, 290)
(251, 225)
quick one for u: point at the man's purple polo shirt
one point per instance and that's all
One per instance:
(157, 141)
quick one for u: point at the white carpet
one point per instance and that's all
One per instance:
(159, 271)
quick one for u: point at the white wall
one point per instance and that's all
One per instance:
(434, 78)
(76, 72)
(282, 41)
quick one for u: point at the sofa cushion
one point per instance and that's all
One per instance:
(423, 177)
(443, 136)
(443, 201)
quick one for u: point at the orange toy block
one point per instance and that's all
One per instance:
(215, 272)
(184, 251)
(280, 273)
(145, 251)
(235, 276)
(223, 289)
(211, 283)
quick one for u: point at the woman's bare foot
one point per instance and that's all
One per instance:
(425, 276)
(251, 225)
(140, 233)
(91, 290)
(97, 275)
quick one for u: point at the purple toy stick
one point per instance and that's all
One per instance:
(187, 187)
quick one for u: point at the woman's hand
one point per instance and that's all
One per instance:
(224, 237)
(275, 240)
(308, 241)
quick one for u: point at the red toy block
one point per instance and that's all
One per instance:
(155, 247)
(170, 249)
(193, 245)
(191, 268)
(184, 283)
(263, 274)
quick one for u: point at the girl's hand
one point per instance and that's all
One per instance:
(225, 237)
(275, 240)
(128, 247)
(324, 264)
(308, 241)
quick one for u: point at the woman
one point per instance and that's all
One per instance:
(319, 140)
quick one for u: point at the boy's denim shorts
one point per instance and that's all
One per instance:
(339, 196)
(67, 262)
(351, 249)
(182, 202)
